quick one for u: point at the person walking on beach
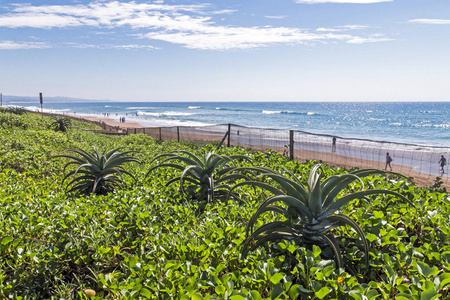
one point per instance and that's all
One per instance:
(388, 161)
(442, 163)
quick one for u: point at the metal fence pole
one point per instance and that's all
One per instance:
(229, 134)
(178, 134)
(160, 134)
(291, 144)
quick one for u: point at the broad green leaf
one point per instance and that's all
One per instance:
(255, 295)
(7, 240)
(220, 289)
(322, 292)
(423, 269)
(275, 279)
(146, 293)
(197, 296)
(429, 294)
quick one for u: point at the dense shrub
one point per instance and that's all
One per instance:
(140, 242)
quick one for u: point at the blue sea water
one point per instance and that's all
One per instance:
(424, 123)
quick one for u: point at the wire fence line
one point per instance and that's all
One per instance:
(418, 161)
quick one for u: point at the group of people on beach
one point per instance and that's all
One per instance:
(122, 119)
(442, 161)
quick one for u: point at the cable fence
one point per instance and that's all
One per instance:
(418, 161)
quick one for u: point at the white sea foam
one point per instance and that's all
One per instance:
(107, 105)
(274, 112)
(158, 122)
(140, 107)
(442, 125)
(194, 107)
(311, 113)
(166, 113)
(271, 112)
(35, 108)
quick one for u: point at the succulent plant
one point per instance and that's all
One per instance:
(97, 173)
(201, 177)
(311, 213)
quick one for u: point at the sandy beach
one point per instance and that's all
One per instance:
(112, 122)
(193, 134)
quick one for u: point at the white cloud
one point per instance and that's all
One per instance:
(275, 17)
(354, 27)
(431, 21)
(225, 38)
(109, 46)
(191, 26)
(342, 1)
(11, 45)
(342, 28)
(373, 39)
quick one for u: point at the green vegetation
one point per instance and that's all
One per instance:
(144, 241)
(310, 212)
(202, 173)
(60, 124)
(97, 173)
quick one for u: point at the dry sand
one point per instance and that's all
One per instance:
(113, 123)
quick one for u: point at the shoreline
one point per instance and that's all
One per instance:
(111, 122)
(301, 154)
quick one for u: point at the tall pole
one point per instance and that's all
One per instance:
(291, 144)
(42, 110)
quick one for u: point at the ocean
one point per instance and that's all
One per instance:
(420, 123)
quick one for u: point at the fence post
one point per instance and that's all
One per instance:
(160, 135)
(229, 134)
(178, 134)
(135, 131)
(291, 144)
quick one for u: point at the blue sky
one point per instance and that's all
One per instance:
(248, 50)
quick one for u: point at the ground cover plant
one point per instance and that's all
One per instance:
(141, 242)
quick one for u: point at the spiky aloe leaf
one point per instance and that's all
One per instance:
(346, 220)
(272, 237)
(268, 208)
(291, 187)
(334, 245)
(232, 177)
(97, 172)
(262, 185)
(336, 205)
(165, 165)
(301, 209)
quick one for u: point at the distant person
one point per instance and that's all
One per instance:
(123, 119)
(333, 147)
(388, 161)
(442, 163)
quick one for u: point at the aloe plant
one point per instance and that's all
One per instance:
(60, 124)
(311, 213)
(202, 177)
(97, 173)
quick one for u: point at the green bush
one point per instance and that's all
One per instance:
(138, 243)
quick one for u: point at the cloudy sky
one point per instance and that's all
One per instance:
(227, 50)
